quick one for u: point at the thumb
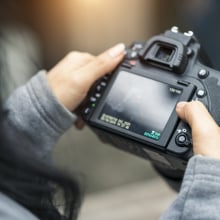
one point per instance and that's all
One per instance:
(195, 114)
(205, 131)
(103, 64)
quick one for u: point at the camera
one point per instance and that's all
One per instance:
(133, 108)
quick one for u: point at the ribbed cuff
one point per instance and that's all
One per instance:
(56, 114)
(202, 167)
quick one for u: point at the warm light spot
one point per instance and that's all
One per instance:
(89, 2)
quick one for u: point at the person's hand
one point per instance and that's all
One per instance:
(205, 131)
(71, 79)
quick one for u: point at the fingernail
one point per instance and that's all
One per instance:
(181, 104)
(117, 50)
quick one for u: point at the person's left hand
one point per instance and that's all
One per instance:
(73, 76)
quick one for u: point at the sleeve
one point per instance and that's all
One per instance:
(35, 118)
(199, 197)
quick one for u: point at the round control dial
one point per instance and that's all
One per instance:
(183, 140)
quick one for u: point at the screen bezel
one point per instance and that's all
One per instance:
(187, 92)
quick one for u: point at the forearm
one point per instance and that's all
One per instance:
(199, 197)
(35, 117)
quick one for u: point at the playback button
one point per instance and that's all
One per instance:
(201, 93)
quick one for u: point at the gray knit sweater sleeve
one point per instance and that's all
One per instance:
(199, 197)
(35, 117)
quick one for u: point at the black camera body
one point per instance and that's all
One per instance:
(134, 108)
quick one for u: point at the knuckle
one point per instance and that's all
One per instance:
(76, 55)
(71, 55)
(87, 55)
(79, 85)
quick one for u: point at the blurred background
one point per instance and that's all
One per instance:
(36, 34)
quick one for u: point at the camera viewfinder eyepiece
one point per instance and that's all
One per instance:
(165, 53)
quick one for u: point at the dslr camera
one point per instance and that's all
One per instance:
(133, 108)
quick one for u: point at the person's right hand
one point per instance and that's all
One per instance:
(205, 131)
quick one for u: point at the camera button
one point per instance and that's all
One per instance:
(131, 54)
(134, 55)
(189, 52)
(129, 64)
(126, 65)
(183, 140)
(93, 99)
(201, 93)
(106, 77)
(203, 73)
(137, 46)
(98, 88)
(87, 111)
(98, 95)
(133, 62)
(103, 84)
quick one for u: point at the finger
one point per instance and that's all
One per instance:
(79, 124)
(77, 59)
(103, 64)
(196, 115)
(72, 62)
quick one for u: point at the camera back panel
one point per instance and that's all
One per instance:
(134, 107)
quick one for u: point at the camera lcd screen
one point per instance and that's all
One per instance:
(139, 105)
